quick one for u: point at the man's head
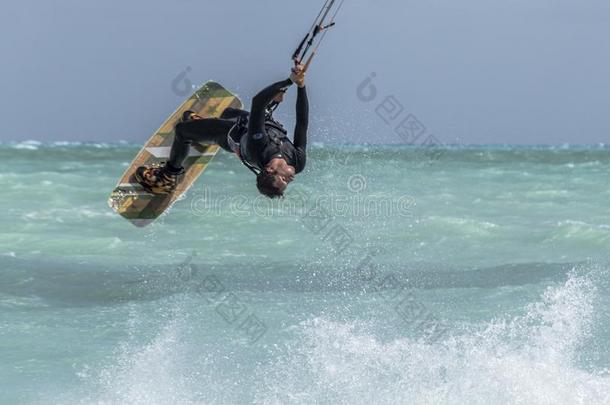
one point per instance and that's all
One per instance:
(274, 179)
(265, 182)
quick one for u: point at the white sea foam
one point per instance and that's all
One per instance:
(29, 145)
(161, 371)
(151, 375)
(63, 214)
(525, 360)
(11, 302)
(579, 231)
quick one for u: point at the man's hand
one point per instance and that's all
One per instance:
(298, 75)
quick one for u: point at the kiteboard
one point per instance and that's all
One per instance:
(140, 207)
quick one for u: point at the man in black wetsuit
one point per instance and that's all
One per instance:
(256, 138)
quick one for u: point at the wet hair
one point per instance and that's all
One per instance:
(264, 183)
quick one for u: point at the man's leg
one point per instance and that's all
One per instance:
(207, 131)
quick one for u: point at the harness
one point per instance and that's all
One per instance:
(240, 129)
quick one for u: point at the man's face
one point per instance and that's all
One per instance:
(282, 182)
(284, 174)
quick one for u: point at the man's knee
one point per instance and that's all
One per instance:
(179, 128)
(181, 133)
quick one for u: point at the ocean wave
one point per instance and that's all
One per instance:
(63, 214)
(36, 145)
(573, 231)
(480, 150)
(152, 375)
(462, 225)
(12, 302)
(30, 145)
(528, 359)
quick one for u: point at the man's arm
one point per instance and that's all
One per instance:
(300, 130)
(259, 104)
(302, 123)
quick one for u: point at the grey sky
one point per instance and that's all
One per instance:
(474, 71)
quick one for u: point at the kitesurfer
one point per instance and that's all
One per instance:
(260, 142)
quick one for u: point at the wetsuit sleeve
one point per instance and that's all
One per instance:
(300, 130)
(230, 113)
(256, 125)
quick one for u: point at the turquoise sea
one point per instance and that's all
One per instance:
(388, 275)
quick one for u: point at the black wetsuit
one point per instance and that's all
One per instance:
(263, 140)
